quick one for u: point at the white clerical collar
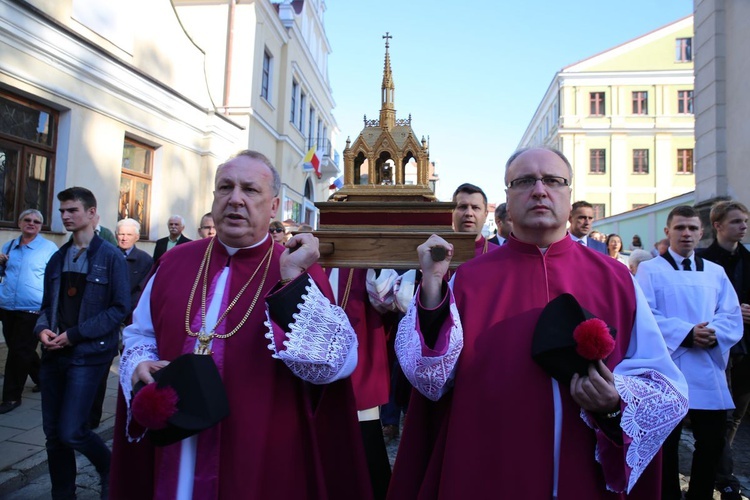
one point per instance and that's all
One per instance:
(679, 258)
(232, 250)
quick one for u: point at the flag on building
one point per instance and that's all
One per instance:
(337, 184)
(311, 162)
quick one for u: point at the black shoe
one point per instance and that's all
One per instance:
(9, 406)
(730, 493)
(36, 388)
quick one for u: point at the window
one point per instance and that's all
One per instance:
(640, 103)
(640, 161)
(683, 50)
(684, 161)
(28, 137)
(135, 183)
(265, 83)
(302, 105)
(310, 128)
(596, 101)
(597, 164)
(599, 210)
(320, 135)
(295, 91)
(685, 102)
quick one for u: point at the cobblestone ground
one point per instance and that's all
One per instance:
(88, 479)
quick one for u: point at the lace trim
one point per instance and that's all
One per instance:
(432, 376)
(653, 408)
(128, 363)
(320, 340)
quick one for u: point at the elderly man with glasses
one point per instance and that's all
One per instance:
(22, 264)
(491, 421)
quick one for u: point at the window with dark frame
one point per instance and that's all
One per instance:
(135, 183)
(640, 161)
(685, 102)
(683, 49)
(597, 161)
(28, 143)
(684, 161)
(640, 102)
(596, 104)
(302, 106)
(295, 91)
(599, 210)
(266, 79)
(311, 128)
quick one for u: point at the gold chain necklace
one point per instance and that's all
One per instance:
(348, 289)
(205, 338)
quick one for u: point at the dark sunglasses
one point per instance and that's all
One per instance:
(32, 221)
(276, 230)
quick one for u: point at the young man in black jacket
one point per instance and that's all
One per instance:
(729, 220)
(86, 297)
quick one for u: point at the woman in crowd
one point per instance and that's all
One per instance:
(614, 245)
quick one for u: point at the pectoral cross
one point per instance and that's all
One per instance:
(204, 342)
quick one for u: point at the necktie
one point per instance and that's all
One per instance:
(580, 242)
(686, 265)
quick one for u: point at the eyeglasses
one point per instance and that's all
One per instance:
(276, 230)
(549, 181)
(32, 221)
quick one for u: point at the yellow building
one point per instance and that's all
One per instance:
(624, 118)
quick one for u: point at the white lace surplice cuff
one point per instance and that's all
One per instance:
(430, 372)
(128, 362)
(652, 408)
(320, 345)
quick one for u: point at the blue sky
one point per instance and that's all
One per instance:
(471, 74)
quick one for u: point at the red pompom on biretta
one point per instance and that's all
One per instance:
(593, 339)
(153, 406)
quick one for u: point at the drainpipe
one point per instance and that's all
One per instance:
(229, 52)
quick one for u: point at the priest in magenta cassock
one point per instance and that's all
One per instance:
(488, 421)
(283, 351)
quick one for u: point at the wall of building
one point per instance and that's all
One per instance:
(110, 84)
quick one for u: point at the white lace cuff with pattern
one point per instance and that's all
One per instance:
(128, 362)
(652, 408)
(432, 375)
(320, 345)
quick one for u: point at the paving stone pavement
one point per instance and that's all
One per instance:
(23, 461)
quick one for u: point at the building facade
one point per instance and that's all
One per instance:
(625, 120)
(87, 100)
(267, 66)
(141, 100)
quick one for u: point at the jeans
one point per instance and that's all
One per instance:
(68, 392)
(23, 361)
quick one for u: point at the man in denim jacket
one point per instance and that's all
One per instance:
(86, 297)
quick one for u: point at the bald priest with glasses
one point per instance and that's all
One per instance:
(518, 394)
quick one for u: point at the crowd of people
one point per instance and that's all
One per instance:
(241, 357)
